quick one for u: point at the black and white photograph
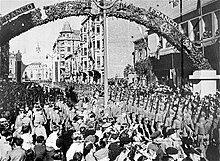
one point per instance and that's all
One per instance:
(109, 80)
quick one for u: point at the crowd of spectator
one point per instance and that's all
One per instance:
(140, 123)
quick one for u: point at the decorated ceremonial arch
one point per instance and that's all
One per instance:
(152, 19)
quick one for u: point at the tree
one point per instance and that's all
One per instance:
(143, 67)
(129, 69)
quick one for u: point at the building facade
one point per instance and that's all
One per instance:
(92, 51)
(64, 58)
(37, 72)
(202, 30)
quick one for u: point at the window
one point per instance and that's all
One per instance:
(98, 29)
(62, 63)
(93, 29)
(62, 49)
(98, 44)
(103, 61)
(11, 62)
(62, 55)
(10, 72)
(85, 64)
(98, 61)
(68, 49)
(62, 44)
(85, 51)
(93, 44)
(98, 18)
(85, 38)
(31, 75)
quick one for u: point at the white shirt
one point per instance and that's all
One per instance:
(51, 140)
(28, 141)
(75, 147)
(4, 148)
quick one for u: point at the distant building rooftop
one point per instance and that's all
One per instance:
(66, 27)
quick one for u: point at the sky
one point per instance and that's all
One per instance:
(44, 35)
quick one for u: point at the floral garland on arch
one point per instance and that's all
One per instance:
(120, 10)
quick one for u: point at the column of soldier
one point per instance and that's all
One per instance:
(140, 123)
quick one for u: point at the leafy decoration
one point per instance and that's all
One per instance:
(121, 10)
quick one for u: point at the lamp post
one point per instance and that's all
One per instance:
(52, 56)
(104, 8)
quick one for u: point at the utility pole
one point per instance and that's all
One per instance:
(182, 51)
(104, 8)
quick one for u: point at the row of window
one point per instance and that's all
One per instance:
(37, 75)
(84, 28)
(203, 27)
(97, 47)
(84, 63)
(68, 35)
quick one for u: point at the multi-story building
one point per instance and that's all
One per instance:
(65, 54)
(120, 36)
(92, 51)
(203, 31)
(37, 72)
